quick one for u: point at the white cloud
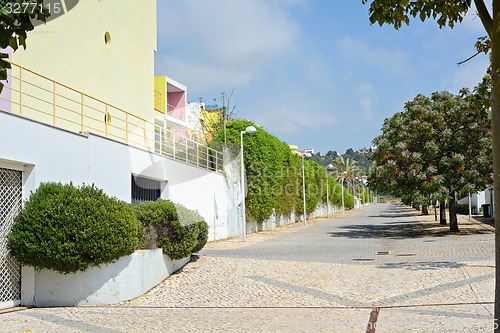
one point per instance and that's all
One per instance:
(199, 76)
(467, 75)
(294, 116)
(367, 96)
(222, 39)
(394, 62)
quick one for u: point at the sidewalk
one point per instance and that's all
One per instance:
(405, 280)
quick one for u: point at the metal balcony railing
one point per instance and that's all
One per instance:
(37, 97)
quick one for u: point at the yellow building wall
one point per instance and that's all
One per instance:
(209, 121)
(161, 87)
(72, 50)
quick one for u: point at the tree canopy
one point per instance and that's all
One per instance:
(436, 147)
(447, 13)
(397, 12)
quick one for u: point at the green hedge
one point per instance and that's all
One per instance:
(67, 228)
(172, 227)
(274, 174)
(464, 209)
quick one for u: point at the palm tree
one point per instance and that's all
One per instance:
(340, 165)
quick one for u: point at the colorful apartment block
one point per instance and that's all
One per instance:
(81, 106)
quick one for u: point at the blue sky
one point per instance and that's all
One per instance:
(314, 73)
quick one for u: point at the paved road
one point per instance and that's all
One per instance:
(382, 228)
(385, 263)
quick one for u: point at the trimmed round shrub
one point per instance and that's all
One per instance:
(175, 240)
(187, 216)
(174, 228)
(202, 236)
(195, 223)
(67, 228)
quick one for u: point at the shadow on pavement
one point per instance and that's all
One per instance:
(403, 222)
(405, 229)
(487, 220)
(422, 265)
(398, 211)
(395, 230)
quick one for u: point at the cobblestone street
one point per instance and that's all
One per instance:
(383, 263)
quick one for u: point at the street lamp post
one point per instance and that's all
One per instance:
(470, 208)
(349, 186)
(304, 186)
(248, 130)
(329, 166)
(364, 202)
(363, 185)
(342, 188)
(327, 199)
(355, 190)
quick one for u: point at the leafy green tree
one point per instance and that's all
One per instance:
(437, 147)
(447, 13)
(331, 154)
(14, 27)
(350, 152)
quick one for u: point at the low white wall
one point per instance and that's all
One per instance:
(125, 279)
(278, 220)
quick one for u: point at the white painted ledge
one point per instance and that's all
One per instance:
(127, 278)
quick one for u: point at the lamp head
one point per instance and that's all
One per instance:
(329, 166)
(250, 130)
(307, 155)
(345, 172)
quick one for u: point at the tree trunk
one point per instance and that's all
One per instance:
(442, 213)
(425, 210)
(435, 213)
(492, 26)
(495, 129)
(453, 213)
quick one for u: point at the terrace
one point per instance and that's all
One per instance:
(36, 97)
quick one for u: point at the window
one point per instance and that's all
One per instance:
(107, 38)
(145, 189)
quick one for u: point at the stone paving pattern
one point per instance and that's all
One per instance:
(325, 277)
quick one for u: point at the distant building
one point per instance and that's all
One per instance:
(366, 150)
(302, 152)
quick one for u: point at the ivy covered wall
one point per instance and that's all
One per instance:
(274, 174)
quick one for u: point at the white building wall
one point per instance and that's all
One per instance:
(490, 199)
(477, 199)
(50, 154)
(193, 116)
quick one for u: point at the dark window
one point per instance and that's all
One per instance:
(144, 189)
